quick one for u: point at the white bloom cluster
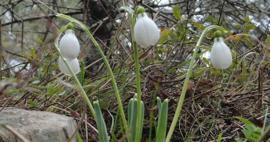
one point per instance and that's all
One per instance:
(69, 48)
(220, 56)
(146, 32)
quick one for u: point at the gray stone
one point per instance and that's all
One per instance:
(35, 126)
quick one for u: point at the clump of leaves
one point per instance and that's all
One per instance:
(251, 132)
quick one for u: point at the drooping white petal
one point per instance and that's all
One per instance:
(220, 56)
(146, 32)
(69, 45)
(73, 63)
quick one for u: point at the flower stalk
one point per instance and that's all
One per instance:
(186, 82)
(80, 88)
(114, 83)
(145, 33)
(138, 79)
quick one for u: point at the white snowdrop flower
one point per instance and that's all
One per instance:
(146, 32)
(220, 56)
(73, 63)
(69, 45)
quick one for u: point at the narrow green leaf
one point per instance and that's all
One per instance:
(251, 131)
(132, 120)
(78, 138)
(158, 103)
(162, 121)
(177, 12)
(132, 115)
(142, 120)
(244, 120)
(219, 138)
(102, 129)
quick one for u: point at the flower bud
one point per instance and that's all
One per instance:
(73, 63)
(69, 45)
(146, 32)
(140, 10)
(220, 56)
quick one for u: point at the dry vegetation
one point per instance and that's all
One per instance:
(30, 77)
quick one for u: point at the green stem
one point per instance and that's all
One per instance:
(138, 80)
(138, 73)
(114, 83)
(139, 92)
(83, 94)
(186, 81)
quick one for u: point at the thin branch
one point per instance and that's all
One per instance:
(39, 17)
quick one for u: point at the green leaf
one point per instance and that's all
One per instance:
(33, 103)
(248, 26)
(141, 122)
(219, 138)
(132, 115)
(159, 103)
(53, 89)
(251, 131)
(177, 12)
(102, 129)
(244, 120)
(162, 121)
(78, 138)
(132, 120)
